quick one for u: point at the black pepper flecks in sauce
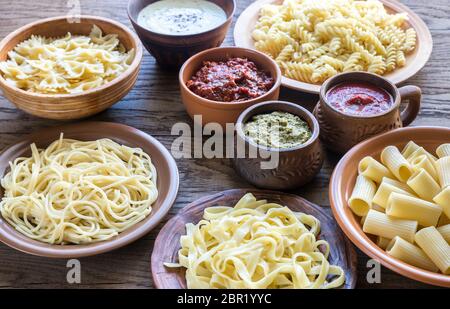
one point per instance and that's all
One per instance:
(234, 80)
(359, 98)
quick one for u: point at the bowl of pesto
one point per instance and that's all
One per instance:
(277, 146)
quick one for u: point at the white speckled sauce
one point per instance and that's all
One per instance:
(181, 17)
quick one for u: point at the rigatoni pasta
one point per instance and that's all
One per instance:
(411, 208)
(409, 253)
(379, 224)
(396, 163)
(409, 214)
(362, 196)
(435, 246)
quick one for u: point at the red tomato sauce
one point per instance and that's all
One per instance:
(359, 98)
(234, 80)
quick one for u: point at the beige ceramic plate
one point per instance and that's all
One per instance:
(167, 243)
(167, 184)
(343, 180)
(414, 61)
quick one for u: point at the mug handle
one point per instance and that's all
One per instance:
(414, 95)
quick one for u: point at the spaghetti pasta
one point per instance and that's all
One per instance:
(78, 192)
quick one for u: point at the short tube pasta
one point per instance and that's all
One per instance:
(411, 208)
(396, 163)
(385, 189)
(411, 254)
(443, 200)
(379, 224)
(361, 199)
(382, 242)
(445, 232)
(424, 185)
(374, 170)
(443, 150)
(421, 152)
(424, 162)
(409, 149)
(435, 246)
(443, 171)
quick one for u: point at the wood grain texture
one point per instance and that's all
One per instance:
(168, 241)
(153, 106)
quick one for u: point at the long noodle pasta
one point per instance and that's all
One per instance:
(78, 191)
(256, 244)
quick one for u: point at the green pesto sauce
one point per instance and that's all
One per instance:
(277, 130)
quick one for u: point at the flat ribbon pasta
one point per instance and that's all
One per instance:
(78, 192)
(256, 245)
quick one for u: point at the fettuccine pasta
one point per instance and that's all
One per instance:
(257, 245)
(70, 64)
(78, 192)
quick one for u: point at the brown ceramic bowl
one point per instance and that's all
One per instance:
(225, 112)
(342, 183)
(296, 166)
(340, 131)
(167, 184)
(171, 51)
(79, 105)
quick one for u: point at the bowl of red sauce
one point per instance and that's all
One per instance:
(358, 105)
(220, 83)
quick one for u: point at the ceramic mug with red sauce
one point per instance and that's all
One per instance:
(358, 105)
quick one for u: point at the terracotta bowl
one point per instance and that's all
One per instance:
(224, 112)
(80, 105)
(167, 184)
(342, 183)
(171, 51)
(296, 166)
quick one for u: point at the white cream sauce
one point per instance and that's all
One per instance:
(181, 17)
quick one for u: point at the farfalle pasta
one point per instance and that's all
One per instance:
(256, 244)
(313, 40)
(70, 64)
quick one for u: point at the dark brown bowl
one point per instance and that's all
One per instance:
(171, 51)
(296, 166)
(167, 184)
(225, 112)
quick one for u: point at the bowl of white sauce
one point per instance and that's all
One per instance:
(174, 30)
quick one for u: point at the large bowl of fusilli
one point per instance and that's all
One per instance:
(312, 40)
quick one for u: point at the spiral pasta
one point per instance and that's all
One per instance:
(78, 192)
(256, 244)
(358, 35)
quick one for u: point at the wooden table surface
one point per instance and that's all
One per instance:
(154, 106)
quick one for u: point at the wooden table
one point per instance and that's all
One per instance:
(154, 106)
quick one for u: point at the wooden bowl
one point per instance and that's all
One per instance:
(79, 105)
(167, 184)
(415, 61)
(342, 183)
(167, 243)
(224, 112)
(296, 166)
(171, 51)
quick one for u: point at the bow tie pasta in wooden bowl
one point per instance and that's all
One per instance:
(391, 197)
(58, 69)
(314, 40)
(250, 239)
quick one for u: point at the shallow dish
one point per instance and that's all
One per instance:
(79, 105)
(167, 184)
(296, 166)
(415, 61)
(224, 112)
(167, 243)
(171, 51)
(342, 183)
